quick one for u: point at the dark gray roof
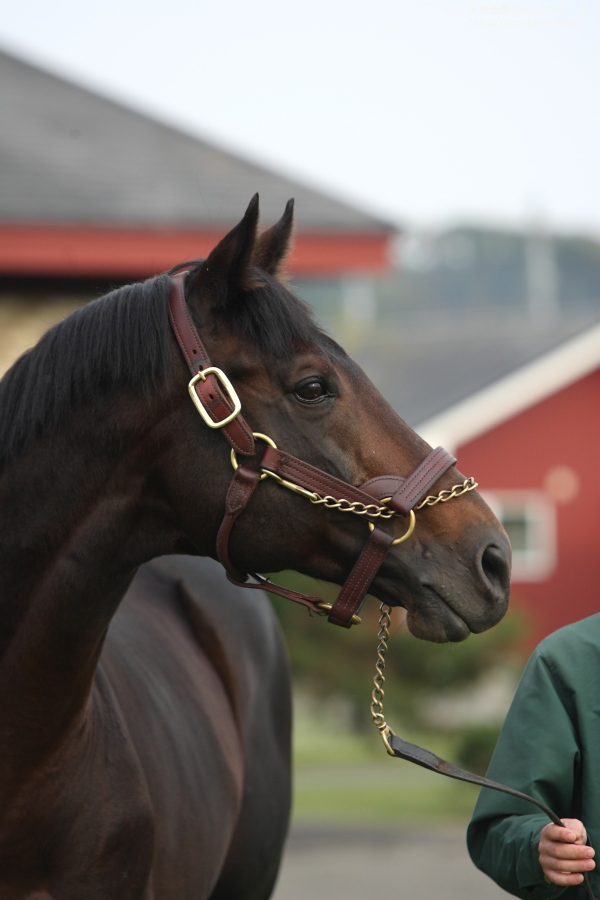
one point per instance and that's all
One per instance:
(424, 371)
(70, 155)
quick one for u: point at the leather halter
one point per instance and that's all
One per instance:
(217, 403)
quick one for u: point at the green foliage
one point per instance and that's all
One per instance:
(388, 791)
(474, 747)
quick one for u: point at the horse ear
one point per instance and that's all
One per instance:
(228, 268)
(273, 245)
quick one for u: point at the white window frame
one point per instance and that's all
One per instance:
(538, 560)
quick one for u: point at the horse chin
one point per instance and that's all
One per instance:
(440, 624)
(450, 629)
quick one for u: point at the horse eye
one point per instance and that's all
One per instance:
(311, 391)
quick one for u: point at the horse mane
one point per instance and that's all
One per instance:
(123, 340)
(119, 339)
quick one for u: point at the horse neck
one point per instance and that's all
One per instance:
(76, 520)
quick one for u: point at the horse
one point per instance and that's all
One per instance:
(144, 702)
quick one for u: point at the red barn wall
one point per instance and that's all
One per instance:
(520, 454)
(135, 252)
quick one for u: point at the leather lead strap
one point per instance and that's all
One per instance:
(402, 749)
(208, 391)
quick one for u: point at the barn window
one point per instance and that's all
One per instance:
(529, 518)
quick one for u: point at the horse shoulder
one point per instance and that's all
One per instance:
(183, 729)
(239, 631)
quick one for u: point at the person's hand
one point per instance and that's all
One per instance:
(564, 855)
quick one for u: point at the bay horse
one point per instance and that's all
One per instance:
(145, 718)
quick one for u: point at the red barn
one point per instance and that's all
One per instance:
(93, 194)
(91, 189)
(532, 440)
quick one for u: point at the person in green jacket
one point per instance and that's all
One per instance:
(549, 748)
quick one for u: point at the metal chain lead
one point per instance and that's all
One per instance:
(468, 485)
(378, 693)
(373, 510)
(384, 512)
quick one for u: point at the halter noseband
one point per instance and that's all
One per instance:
(379, 498)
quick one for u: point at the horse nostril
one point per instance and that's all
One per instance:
(495, 566)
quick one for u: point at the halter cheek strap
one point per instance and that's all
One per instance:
(217, 402)
(355, 589)
(209, 387)
(241, 489)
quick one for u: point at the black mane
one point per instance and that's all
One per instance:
(124, 340)
(120, 339)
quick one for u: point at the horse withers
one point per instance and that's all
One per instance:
(142, 717)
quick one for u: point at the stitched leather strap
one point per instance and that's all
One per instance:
(263, 584)
(355, 589)
(310, 478)
(208, 391)
(405, 492)
(424, 476)
(241, 488)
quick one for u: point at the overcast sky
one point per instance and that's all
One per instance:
(429, 113)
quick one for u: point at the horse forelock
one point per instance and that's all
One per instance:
(265, 311)
(267, 315)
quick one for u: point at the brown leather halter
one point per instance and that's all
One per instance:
(381, 497)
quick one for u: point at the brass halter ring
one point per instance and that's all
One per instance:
(411, 526)
(261, 437)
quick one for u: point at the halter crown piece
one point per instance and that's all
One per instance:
(379, 498)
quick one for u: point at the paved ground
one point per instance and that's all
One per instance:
(424, 865)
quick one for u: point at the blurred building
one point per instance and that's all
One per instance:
(532, 441)
(93, 194)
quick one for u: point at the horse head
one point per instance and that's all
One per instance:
(315, 411)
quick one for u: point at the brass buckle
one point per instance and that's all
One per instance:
(229, 390)
(323, 609)
(409, 530)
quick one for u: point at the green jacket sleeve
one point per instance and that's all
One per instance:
(538, 753)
